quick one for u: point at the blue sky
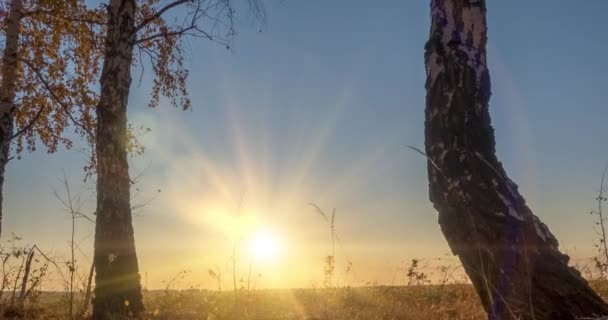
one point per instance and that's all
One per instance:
(319, 107)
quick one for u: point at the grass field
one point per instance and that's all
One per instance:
(407, 302)
(452, 301)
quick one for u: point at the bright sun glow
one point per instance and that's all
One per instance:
(265, 246)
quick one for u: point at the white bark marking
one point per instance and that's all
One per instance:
(539, 231)
(473, 33)
(510, 209)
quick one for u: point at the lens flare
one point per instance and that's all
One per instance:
(265, 246)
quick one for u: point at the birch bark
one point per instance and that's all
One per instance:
(117, 279)
(510, 256)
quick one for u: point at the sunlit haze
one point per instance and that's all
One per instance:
(320, 108)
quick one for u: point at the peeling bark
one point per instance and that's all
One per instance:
(10, 64)
(510, 256)
(117, 279)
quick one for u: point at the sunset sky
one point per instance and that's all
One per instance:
(319, 108)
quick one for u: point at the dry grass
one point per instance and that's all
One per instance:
(452, 301)
(369, 303)
(449, 301)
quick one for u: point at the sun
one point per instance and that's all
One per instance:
(265, 246)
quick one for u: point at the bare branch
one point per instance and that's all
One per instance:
(176, 33)
(160, 12)
(426, 156)
(191, 25)
(51, 261)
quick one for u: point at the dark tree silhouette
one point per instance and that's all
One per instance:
(138, 25)
(117, 280)
(510, 256)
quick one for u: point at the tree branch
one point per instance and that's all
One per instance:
(55, 97)
(191, 25)
(29, 125)
(67, 18)
(177, 33)
(160, 12)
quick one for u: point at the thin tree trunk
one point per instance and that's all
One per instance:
(117, 279)
(73, 259)
(17, 277)
(87, 294)
(10, 64)
(26, 275)
(510, 256)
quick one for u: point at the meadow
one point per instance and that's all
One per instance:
(453, 299)
(379, 302)
(450, 301)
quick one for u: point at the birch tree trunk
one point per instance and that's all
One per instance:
(10, 64)
(117, 279)
(510, 256)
